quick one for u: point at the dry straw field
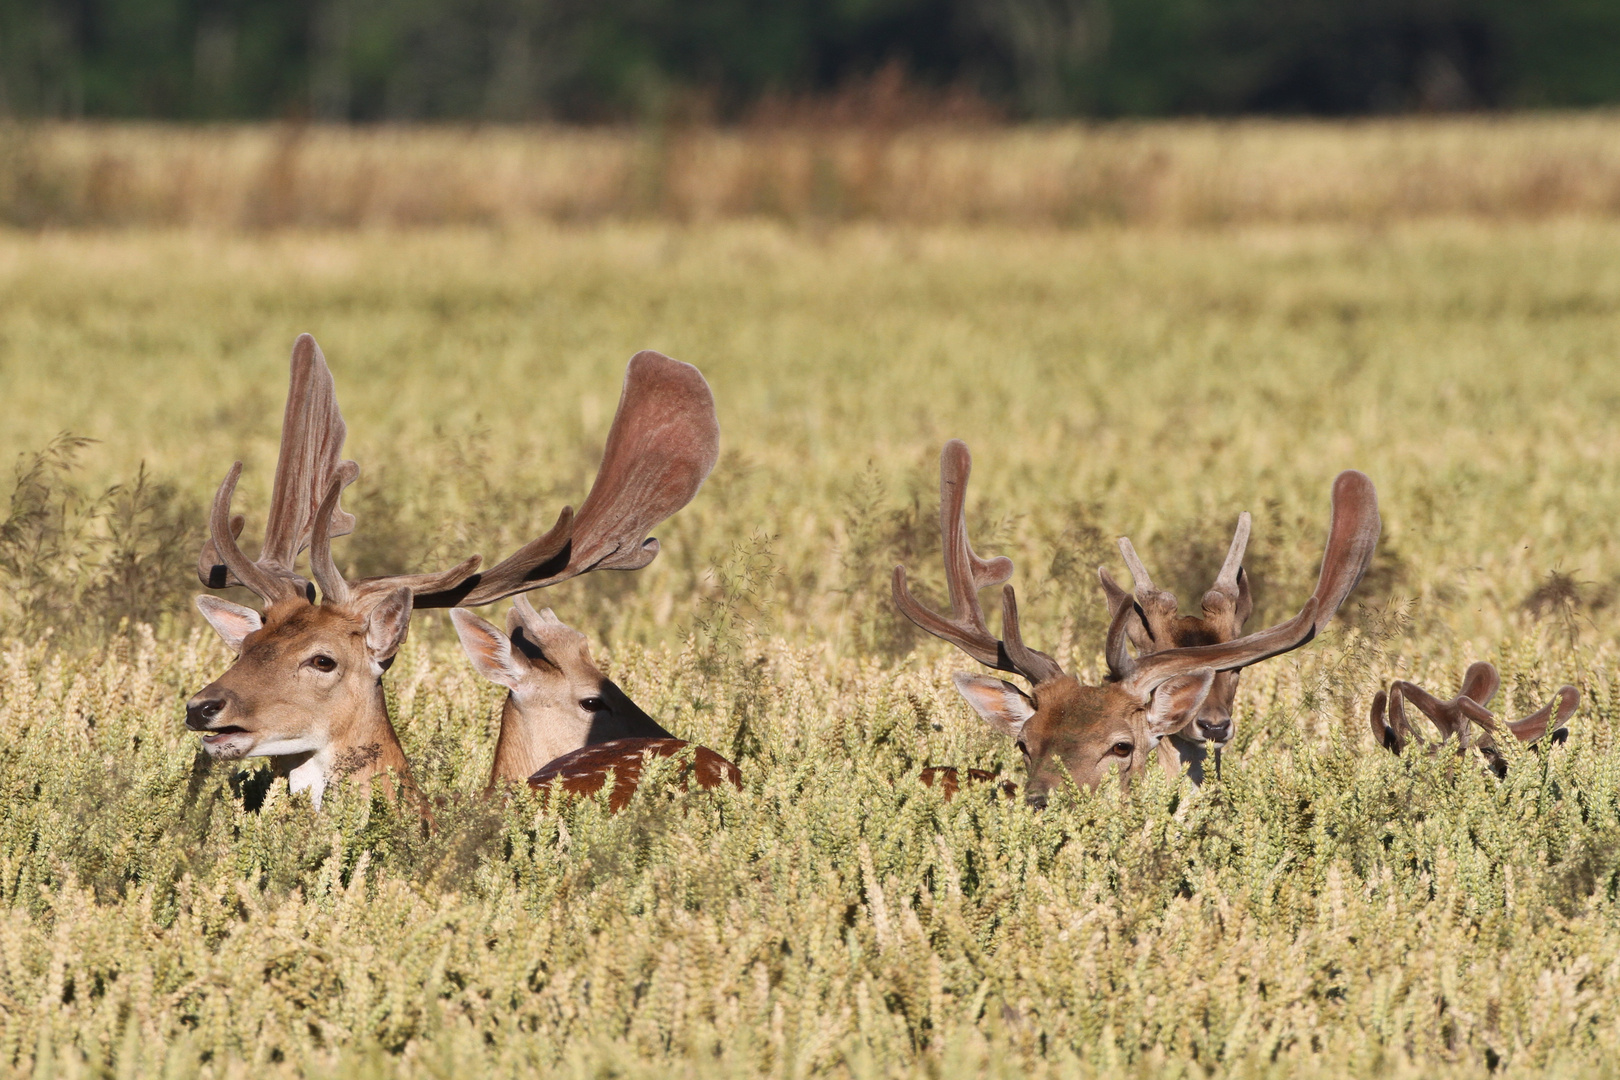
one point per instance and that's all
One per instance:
(1250, 310)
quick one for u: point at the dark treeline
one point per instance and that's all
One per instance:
(721, 59)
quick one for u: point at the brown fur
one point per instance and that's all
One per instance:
(586, 770)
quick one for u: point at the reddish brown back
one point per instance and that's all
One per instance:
(586, 770)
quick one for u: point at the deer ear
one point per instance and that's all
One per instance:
(1000, 704)
(489, 650)
(387, 625)
(233, 622)
(1176, 701)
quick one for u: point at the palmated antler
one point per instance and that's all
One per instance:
(965, 575)
(1352, 537)
(308, 468)
(663, 444)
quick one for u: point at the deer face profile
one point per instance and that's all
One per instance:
(1068, 730)
(306, 687)
(558, 700)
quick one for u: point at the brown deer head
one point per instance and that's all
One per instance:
(1457, 717)
(1153, 624)
(1065, 728)
(306, 687)
(1156, 624)
(558, 700)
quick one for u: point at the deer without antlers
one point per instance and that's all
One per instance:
(1064, 727)
(306, 687)
(1457, 717)
(558, 702)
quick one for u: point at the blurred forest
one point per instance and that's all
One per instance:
(730, 60)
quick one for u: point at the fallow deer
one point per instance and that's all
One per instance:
(558, 703)
(1068, 729)
(306, 687)
(1455, 718)
(1152, 623)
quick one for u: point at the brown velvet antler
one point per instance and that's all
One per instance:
(1352, 536)
(312, 434)
(1457, 717)
(663, 444)
(965, 575)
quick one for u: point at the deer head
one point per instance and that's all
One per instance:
(306, 686)
(1153, 624)
(558, 700)
(1457, 717)
(1066, 728)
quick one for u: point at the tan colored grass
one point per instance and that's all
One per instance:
(1519, 166)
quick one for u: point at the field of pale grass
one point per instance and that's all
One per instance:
(1322, 909)
(1195, 173)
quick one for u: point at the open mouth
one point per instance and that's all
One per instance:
(214, 735)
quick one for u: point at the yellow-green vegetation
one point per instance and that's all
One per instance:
(1321, 909)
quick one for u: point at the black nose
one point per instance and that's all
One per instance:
(1213, 732)
(201, 714)
(1036, 802)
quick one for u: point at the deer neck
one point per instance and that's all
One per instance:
(361, 746)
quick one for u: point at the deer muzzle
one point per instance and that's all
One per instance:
(207, 714)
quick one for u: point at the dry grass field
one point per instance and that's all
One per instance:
(1321, 909)
(1168, 174)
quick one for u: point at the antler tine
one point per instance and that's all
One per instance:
(1140, 582)
(1228, 577)
(663, 444)
(965, 572)
(1135, 623)
(1383, 734)
(333, 588)
(965, 575)
(1536, 724)
(269, 586)
(1032, 664)
(1470, 709)
(1120, 663)
(211, 569)
(1480, 682)
(1398, 723)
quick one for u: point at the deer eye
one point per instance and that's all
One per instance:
(1123, 749)
(591, 704)
(322, 662)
